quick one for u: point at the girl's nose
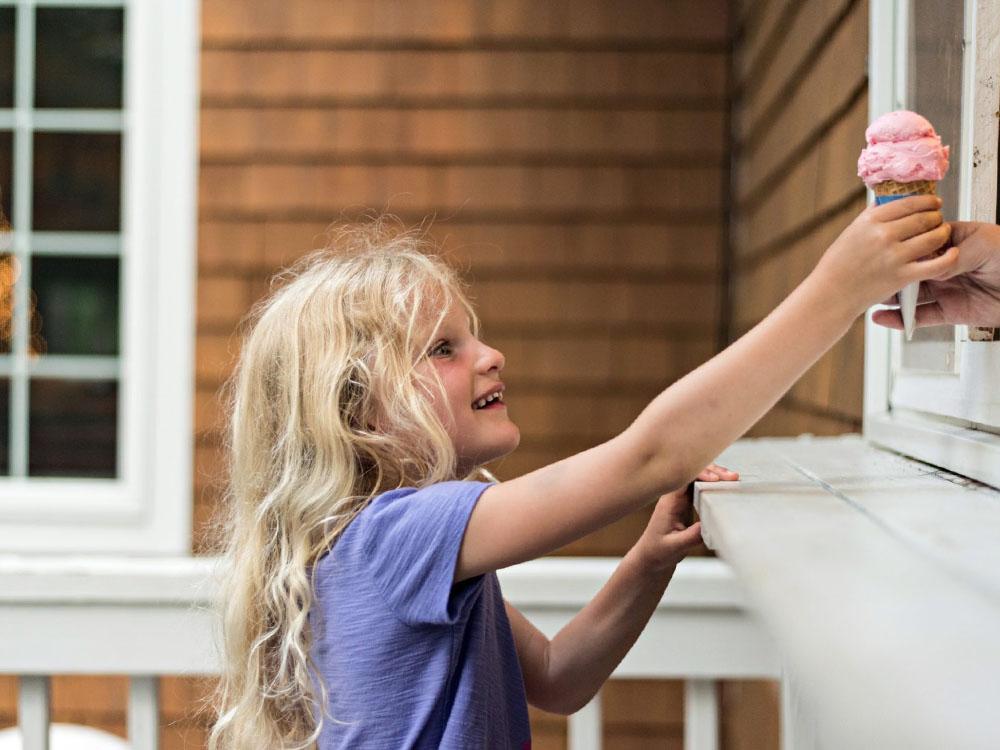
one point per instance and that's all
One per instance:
(492, 359)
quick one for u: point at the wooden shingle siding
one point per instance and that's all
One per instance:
(516, 22)
(800, 108)
(799, 116)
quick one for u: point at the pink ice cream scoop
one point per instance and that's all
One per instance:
(902, 147)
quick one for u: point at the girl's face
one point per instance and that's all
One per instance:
(470, 373)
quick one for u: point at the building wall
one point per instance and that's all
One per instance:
(800, 112)
(800, 108)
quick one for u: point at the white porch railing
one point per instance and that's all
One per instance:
(150, 617)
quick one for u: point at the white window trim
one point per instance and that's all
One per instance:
(939, 440)
(148, 508)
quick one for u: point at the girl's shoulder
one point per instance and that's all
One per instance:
(404, 498)
(411, 507)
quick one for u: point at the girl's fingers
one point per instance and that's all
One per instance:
(915, 224)
(931, 269)
(717, 473)
(926, 243)
(904, 207)
(719, 469)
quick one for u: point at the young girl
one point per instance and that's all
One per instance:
(361, 606)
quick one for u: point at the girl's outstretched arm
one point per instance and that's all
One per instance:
(563, 674)
(691, 422)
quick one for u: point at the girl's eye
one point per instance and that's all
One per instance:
(441, 349)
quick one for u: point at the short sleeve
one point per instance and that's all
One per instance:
(410, 541)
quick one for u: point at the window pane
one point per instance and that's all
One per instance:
(77, 182)
(76, 305)
(4, 425)
(935, 83)
(931, 348)
(6, 176)
(9, 272)
(6, 58)
(72, 428)
(78, 58)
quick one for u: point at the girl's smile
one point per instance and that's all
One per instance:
(492, 399)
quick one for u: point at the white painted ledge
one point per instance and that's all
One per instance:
(141, 616)
(878, 578)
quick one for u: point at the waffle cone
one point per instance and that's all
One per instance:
(920, 187)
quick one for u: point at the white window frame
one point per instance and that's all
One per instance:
(945, 437)
(147, 509)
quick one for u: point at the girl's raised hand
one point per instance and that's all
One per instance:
(885, 248)
(667, 539)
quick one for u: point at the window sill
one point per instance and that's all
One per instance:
(878, 578)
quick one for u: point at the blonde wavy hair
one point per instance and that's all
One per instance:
(326, 411)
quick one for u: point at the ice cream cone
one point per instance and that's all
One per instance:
(904, 156)
(891, 188)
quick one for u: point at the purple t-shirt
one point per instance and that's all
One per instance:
(411, 661)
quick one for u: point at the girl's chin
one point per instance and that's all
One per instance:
(499, 451)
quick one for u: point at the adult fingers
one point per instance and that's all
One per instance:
(888, 319)
(930, 314)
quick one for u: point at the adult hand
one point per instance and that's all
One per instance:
(969, 293)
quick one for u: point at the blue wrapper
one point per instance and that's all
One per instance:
(880, 199)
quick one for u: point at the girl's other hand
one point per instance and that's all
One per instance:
(667, 538)
(885, 248)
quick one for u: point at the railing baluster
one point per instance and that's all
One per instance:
(701, 715)
(798, 730)
(33, 710)
(585, 727)
(144, 713)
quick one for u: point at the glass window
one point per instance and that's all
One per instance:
(6, 176)
(77, 182)
(934, 89)
(6, 58)
(60, 279)
(72, 430)
(934, 398)
(96, 352)
(78, 58)
(75, 304)
(4, 419)
(9, 268)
